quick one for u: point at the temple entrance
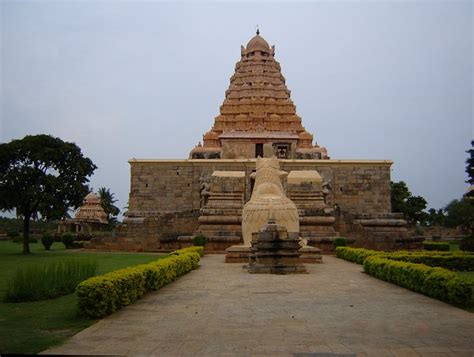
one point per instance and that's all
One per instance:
(259, 150)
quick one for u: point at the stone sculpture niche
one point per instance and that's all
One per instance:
(268, 193)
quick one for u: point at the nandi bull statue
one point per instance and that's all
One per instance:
(268, 201)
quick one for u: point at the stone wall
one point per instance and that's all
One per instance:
(163, 232)
(160, 186)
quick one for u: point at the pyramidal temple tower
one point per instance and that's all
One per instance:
(258, 117)
(173, 200)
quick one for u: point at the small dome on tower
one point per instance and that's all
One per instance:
(306, 136)
(91, 198)
(257, 43)
(211, 135)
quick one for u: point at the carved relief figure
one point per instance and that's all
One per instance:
(204, 188)
(326, 186)
(268, 197)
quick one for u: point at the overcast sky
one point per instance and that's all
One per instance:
(371, 80)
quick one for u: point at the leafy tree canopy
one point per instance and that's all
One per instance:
(435, 217)
(41, 174)
(461, 213)
(107, 200)
(404, 202)
(470, 164)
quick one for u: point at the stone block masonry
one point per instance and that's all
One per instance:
(166, 198)
(165, 186)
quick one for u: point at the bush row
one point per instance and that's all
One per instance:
(194, 249)
(467, 244)
(453, 261)
(438, 283)
(102, 295)
(441, 246)
(355, 255)
(450, 260)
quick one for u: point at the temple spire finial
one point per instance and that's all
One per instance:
(258, 31)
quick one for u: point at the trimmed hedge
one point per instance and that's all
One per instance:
(200, 240)
(452, 261)
(102, 295)
(31, 239)
(467, 244)
(355, 255)
(339, 242)
(47, 240)
(436, 246)
(68, 240)
(438, 283)
(457, 261)
(194, 249)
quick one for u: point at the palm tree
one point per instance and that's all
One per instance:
(107, 200)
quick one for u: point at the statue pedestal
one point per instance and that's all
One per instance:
(275, 251)
(241, 253)
(237, 254)
(310, 255)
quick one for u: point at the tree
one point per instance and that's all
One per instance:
(460, 213)
(399, 193)
(41, 174)
(107, 201)
(414, 207)
(470, 164)
(435, 217)
(404, 202)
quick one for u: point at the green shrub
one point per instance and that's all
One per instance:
(355, 255)
(12, 233)
(47, 240)
(195, 249)
(438, 283)
(84, 236)
(102, 295)
(456, 261)
(339, 242)
(79, 244)
(441, 246)
(199, 240)
(45, 281)
(467, 244)
(19, 239)
(68, 240)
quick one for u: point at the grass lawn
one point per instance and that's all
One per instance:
(31, 327)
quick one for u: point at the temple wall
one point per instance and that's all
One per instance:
(160, 186)
(235, 149)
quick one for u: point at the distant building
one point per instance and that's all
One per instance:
(89, 217)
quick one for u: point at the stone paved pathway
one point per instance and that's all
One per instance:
(335, 310)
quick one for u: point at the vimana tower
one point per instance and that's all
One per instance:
(173, 200)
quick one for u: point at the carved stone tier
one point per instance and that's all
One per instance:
(221, 217)
(378, 231)
(305, 189)
(257, 109)
(275, 251)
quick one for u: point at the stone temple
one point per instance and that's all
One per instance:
(173, 200)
